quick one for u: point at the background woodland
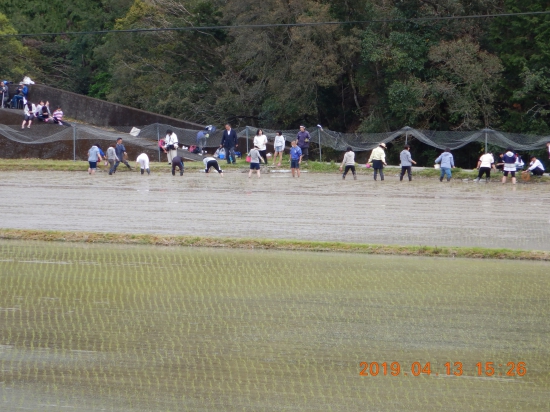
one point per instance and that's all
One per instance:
(369, 77)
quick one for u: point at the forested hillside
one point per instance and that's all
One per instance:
(435, 74)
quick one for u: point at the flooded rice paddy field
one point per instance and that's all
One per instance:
(314, 207)
(130, 328)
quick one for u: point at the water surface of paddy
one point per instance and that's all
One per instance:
(122, 328)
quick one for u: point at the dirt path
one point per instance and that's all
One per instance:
(314, 207)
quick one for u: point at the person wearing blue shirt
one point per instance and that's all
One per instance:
(120, 152)
(93, 158)
(201, 139)
(203, 135)
(21, 94)
(447, 162)
(295, 158)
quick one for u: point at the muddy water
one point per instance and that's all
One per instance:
(314, 207)
(126, 328)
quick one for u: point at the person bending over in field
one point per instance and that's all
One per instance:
(143, 161)
(177, 161)
(485, 163)
(535, 167)
(211, 162)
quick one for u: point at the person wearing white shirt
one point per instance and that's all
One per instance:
(260, 141)
(171, 145)
(28, 112)
(211, 162)
(485, 163)
(143, 161)
(536, 167)
(349, 163)
(279, 148)
(38, 111)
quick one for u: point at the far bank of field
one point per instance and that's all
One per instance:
(240, 166)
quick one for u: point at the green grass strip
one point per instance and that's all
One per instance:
(294, 245)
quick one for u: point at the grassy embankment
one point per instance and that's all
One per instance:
(311, 167)
(294, 245)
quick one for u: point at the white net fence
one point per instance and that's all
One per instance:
(79, 137)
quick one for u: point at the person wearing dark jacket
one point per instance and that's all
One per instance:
(229, 143)
(509, 159)
(120, 151)
(177, 162)
(303, 139)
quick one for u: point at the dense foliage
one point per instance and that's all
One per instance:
(435, 74)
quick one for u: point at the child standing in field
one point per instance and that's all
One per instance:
(111, 158)
(295, 158)
(255, 160)
(93, 158)
(279, 148)
(406, 163)
(349, 162)
(509, 159)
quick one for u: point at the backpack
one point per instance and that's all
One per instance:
(196, 150)
(192, 148)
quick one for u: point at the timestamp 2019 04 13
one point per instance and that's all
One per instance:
(509, 369)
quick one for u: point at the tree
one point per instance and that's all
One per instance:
(63, 61)
(167, 72)
(14, 57)
(523, 44)
(428, 74)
